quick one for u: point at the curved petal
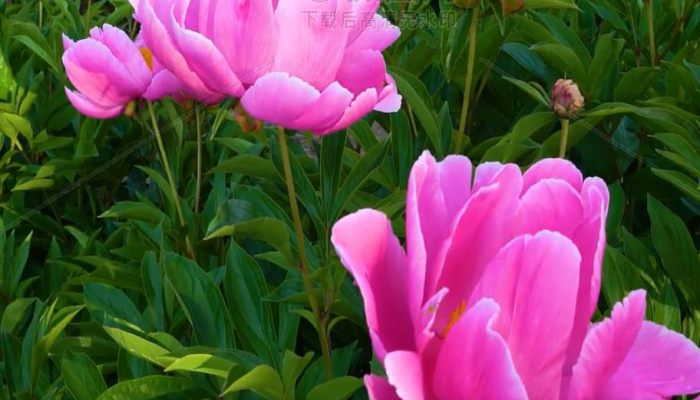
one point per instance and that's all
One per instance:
(124, 49)
(164, 84)
(661, 364)
(206, 61)
(550, 204)
(378, 34)
(154, 31)
(589, 237)
(312, 39)
(93, 110)
(403, 370)
(98, 75)
(606, 346)
(246, 33)
(279, 98)
(370, 251)
(326, 110)
(523, 279)
(379, 388)
(553, 168)
(362, 70)
(436, 193)
(478, 232)
(358, 109)
(389, 98)
(474, 361)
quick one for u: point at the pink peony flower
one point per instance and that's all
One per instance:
(303, 64)
(494, 295)
(109, 70)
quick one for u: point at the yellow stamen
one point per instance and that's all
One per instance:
(455, 315)
(147, 56)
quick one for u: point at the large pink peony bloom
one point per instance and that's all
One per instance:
(303, 64)
(109, 70)
(493, 298)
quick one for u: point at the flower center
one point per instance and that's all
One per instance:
(147, 56)
(455, 315)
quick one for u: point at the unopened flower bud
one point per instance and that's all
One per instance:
(466, 3)
(567, 100)
(512, 6)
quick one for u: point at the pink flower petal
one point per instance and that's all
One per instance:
(661, 364)
(246, 34)
(358, 109)
(362, 70)
(370, 251)
(553, 168)
(606, 346)
(153, 15)
(280, 99)
(404, 372)
(523, 279)
(206, 60)
(389, 97)
(326, 111)
(312, 39)
(378, 34)
(97, 74)
(551, 204)
(379, 388)
(93, 110)
(479, 231)
(164, 84)
(474, 361)
(589, 237)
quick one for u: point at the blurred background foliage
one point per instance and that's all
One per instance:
(100, 296)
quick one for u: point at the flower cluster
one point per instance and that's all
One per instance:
(493, 297)
(286, 68)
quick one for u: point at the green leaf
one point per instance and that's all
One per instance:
(357, 177)
(263, 380)
(248, 165)
(110, 305)
(202, 363)
(41, 349)
(415, 94)
(149, 387)
(633, 83)
(531, 90)
(674, 244)
(137, 210)
(33, 184)
(201, 301)
(82, 377)
(138, 346)
(551, 4)
(245, 285)
(292, 367)
(337, 389)
(681, 181)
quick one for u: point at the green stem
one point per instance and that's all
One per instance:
(41, 14)
(87, 16)
(198, 185)
(306, 277)
(650, 22)
(468, 80)
(169, 174)
(564, 137)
